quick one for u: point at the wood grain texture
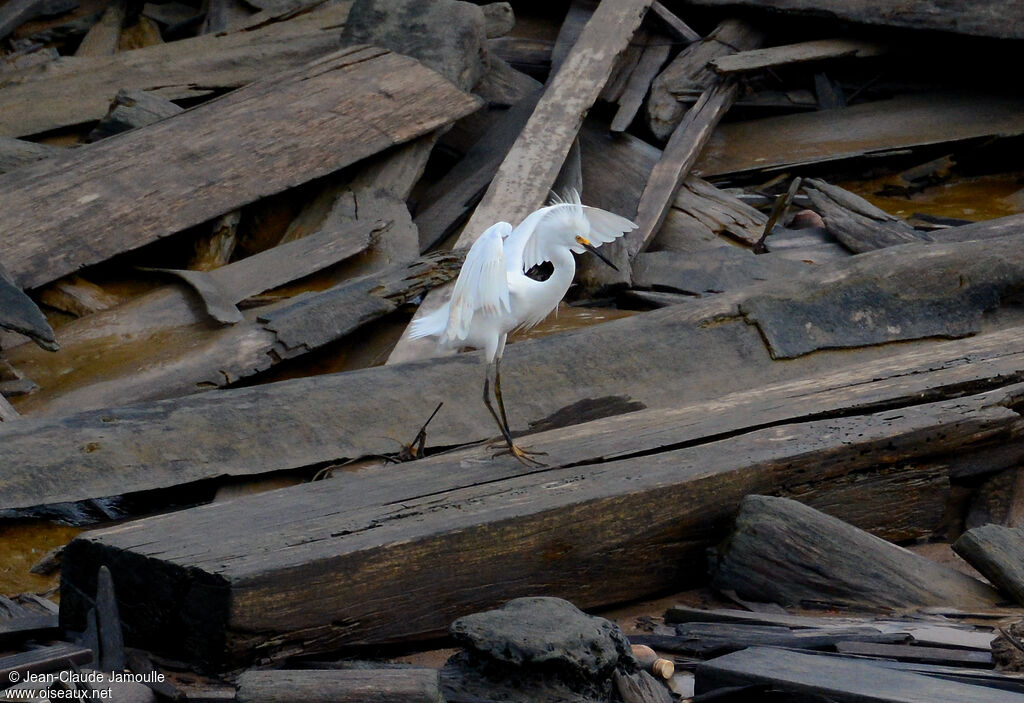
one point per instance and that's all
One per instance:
(217, 157)
(369, 558)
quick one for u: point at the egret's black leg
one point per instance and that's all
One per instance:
(487, 401)
(524, 456)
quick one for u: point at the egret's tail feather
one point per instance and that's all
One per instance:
(430, 325)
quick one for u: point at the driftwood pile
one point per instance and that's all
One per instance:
(219, 218)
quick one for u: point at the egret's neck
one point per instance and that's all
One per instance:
(564, 269)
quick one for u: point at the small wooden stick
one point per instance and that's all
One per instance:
(781, 204)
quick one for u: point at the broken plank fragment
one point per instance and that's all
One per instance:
(856, 223)
(795, 53)
(387, 529)
(681, 152)
(632, 98)
(214, 250)
(356, 102)
(781, 551)
(19, 313)
(340, 686)
(837, 679)
(673, 23)
(997, 552)
(77, 296)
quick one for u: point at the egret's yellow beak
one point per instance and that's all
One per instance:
(585, 243)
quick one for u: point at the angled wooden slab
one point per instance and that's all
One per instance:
(259, 140)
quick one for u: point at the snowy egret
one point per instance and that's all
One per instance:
(493, 295)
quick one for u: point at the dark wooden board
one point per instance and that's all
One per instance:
(368, 557)
(837, 679)
(329, 114)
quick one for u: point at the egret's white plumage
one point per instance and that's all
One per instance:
(493, 295)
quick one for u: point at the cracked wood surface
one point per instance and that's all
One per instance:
(591, 530)
(658, 358)
(262, 139)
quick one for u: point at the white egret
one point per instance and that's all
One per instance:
(493, 295)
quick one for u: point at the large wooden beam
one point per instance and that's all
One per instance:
(653, 359)
(262, 139)
(401, 552)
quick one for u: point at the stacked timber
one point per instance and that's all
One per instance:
(220, 218)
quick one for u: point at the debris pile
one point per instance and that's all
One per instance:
(220, 217)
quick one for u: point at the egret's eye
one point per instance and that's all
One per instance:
(581, 240)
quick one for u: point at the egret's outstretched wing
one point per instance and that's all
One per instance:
(606, 226)
(482, 286)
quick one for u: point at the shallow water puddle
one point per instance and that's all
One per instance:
(22, 545)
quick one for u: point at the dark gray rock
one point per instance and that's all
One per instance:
(447, 35)
(535, 650)
(542, 630)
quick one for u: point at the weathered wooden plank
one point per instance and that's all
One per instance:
(868, 128)
(340, 686)
(651, 60)
(659, 357)
(988, 18)
(559, 530)
(998, 553)
(922, 655)
(837, 679)
(681, 152)
(132, 109)
(355, 103)
(19, 313)
(673, 23)
(709, 271)
(816, 50)
(523, 181)
(781, 551)
(54, 657)
(79, 89)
